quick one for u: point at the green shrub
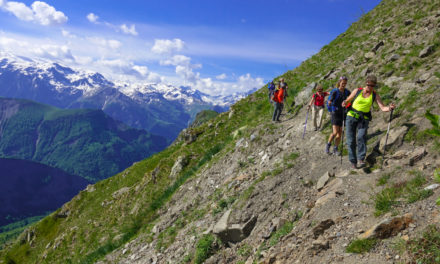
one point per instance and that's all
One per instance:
(361, 246)
(245, 250)
(284, 230)
(425, 249)
(205, 248)
(383, 179)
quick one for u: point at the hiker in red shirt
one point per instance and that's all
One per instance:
(318, 106)
(279, 97)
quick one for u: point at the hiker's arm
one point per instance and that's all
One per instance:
(350, 98)
(311, 101)
(382, 106)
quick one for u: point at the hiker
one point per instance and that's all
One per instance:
(334, 105)
(358, 118)
(279, 97)
(317, 102)
(271, 88)
(284, 85)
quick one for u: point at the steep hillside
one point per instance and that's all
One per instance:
(87, 143)
(241, 189)
(31, 189)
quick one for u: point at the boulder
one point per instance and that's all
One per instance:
(321, 227)
(426, 51)
(304, 96)
(394, 57)
(329, 73)
(233, 233)
(377, 46)
(424, 77)
(395, 138)
(120, 192)
(323, 180)
(90, 188)
(329, 192)
(319, 245)
(369, 55)
(417, 155)
(388, 227)
(178, 166)
(431, 187)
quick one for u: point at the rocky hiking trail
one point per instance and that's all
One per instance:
(278, 198)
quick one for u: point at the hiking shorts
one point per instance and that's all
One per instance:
(337, 119)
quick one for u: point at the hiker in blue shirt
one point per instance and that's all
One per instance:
(334, 105)
(271, 88)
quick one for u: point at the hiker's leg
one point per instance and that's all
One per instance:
(338, 135)
(314, 116)
(320, 113)
(333, 134)
(350, 131)
(362, 141)
(275, 110)
(281, 106)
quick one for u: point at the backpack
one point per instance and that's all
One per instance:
(332, 107)
(271, 87)
(278, 96)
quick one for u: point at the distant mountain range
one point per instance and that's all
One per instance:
(158, 108)
(82, 142)
(30, 188)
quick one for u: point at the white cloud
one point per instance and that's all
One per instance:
(11, 44)
(166, 46)
(155, 78)
(20, 10)
(176, 60)
(92, 18)
(54, 52)
(2, 3)
(39, 12)
(67, 34)
(105, 43)
(247, 82)
(142, 70)
(243, 83)
(47, 15)
(221, 76)
(129, 30)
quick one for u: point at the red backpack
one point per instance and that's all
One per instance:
(279, 95)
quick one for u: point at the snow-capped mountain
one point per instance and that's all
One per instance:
(159, 108)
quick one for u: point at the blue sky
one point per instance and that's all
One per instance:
(216, 46)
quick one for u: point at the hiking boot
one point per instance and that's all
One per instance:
(354, 166)
(316, 129)
(336, 152)
(327, 148)
(362, 163)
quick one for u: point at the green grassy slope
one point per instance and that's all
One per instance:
(103, 220)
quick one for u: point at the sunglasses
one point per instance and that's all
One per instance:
(371, 85)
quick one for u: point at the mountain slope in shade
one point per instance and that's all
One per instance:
(29, 189)
(83, 142)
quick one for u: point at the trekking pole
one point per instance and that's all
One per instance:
(386, 138)
(305, 124)
(342, 133)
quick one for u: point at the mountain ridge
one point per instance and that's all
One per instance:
(159, 108)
